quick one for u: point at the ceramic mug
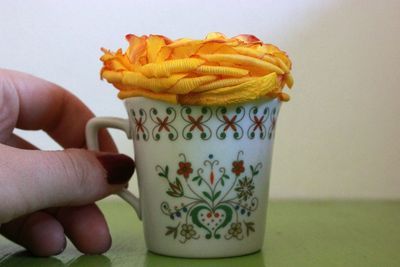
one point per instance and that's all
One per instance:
(203, 174)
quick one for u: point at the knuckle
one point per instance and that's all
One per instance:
(75, 168)
(83, 174)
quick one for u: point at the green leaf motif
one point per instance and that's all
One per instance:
(254, 172)
(207, 195)
(249, 227)
(216, 195)
(164, 172)
(172, 230)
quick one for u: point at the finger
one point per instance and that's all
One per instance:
(18, 142)
(86, 227)
(47, 106)
(40, 233)
(32, 180)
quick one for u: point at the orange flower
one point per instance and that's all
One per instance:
(216, 70)
(237, 167)
(185, 169)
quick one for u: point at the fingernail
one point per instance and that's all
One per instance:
(118, 166)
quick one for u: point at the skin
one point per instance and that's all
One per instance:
(46, 196)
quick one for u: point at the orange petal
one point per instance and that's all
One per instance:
(137, 49)
(226, 49)
(283, 96)
(163, 54)
(185, 51)
(288, 78)
(154, 45)
(278, 94)
(120, 59)
(114, 65)
(247, 38)
(209, 47)
(268, 48)
(215, 35)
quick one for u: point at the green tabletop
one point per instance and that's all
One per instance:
(299, 233)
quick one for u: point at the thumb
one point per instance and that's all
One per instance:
(32, 180)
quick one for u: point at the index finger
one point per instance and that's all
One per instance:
(47, 106)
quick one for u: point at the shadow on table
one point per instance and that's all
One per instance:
(253, 260)
(25, 259)
(90, 261)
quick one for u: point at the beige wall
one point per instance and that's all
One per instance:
(336, 138)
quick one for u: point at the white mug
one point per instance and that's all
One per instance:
(203, 174)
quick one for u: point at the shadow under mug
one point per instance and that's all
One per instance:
(203, 174)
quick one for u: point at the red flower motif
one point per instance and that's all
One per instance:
(238, 167)
(185, 169)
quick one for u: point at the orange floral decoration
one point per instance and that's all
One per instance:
(216, 70)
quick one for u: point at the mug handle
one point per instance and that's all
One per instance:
(92, 141)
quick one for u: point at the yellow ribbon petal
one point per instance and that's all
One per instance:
(248, 91)
(138, 80)
(166, 68)
(222, 83)
(282, 65)
(170, 98)
(220, 70)
(243, 60)
(186, 85)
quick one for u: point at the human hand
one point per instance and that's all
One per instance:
(45, 196)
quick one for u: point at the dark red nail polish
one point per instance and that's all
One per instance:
(118, 166)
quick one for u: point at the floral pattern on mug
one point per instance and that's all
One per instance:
(213, 203)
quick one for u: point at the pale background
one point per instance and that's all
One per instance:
(339, 135)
